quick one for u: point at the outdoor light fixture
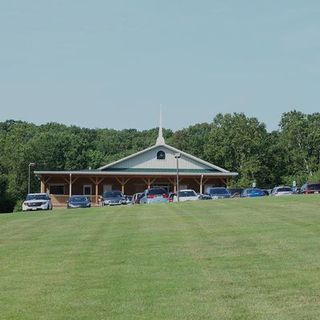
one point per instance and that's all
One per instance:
(178, 156)
(32, 164)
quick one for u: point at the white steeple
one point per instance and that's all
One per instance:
(160, 139)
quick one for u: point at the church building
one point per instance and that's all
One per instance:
(158, 166)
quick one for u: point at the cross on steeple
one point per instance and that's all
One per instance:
(160, 139)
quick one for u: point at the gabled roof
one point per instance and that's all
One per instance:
(187, 155)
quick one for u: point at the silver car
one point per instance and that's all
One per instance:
(186, 195)
(282, 191)
(155, 195)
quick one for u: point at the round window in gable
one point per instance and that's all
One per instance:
(161, 155)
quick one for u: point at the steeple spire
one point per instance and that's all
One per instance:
(160, 139)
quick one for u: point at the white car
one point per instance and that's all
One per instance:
(282, 191)
(186, 195)
(37, 201)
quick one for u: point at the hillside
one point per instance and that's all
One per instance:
(236, 259)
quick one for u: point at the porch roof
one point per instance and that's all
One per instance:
(139, 172)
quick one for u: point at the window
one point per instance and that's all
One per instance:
(56, 189)
(161, 155)
(87, 190)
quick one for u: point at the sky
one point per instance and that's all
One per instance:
(111, 64)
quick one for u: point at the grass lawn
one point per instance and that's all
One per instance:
(225, 259)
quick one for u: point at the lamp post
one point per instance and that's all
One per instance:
(32, 164)
(178, 156)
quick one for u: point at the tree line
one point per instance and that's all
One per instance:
(232, 141)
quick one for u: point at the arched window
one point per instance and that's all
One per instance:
(161, 155)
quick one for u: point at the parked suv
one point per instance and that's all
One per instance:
(37, 201)
(310, 188)
(154, 195)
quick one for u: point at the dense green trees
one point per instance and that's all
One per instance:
(233, 141)
(237, 142)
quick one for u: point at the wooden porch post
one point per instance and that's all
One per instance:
(224, 181)
(174, 183)
(70, 185)
(96, 182)
(123, 182)
(42, 186)
(97, 190)
(149, 182)
(201, 184)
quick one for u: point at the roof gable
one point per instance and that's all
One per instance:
(147, 160)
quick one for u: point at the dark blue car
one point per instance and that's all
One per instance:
(252, 192)
(113, 198)
(79, 202)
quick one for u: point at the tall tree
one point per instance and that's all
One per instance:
(300, 138)
(236, 143)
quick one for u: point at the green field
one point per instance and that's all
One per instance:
(225, 259)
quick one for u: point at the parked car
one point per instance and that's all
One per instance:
(37, 201)
(128, 199)
(235, 192)
(171, 196)
(186, 195)
(252, 192)
(267, 192)
(136, 197)
(154, 195)
(310, 188)
(218, 193)
(204, 197)
(78, 201)
(282, 191)
(296, 190)
(112, 198)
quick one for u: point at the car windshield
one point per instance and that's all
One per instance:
(79, 199)
(284, 189)
(315, 186)
(156, 191)
(112, 194)
(37, 197)
(218, 191)
(188, 193)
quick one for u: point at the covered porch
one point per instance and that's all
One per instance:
(62, 185)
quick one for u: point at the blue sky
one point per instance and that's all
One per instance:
(103, 63)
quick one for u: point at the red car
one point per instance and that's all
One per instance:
(310, 188)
